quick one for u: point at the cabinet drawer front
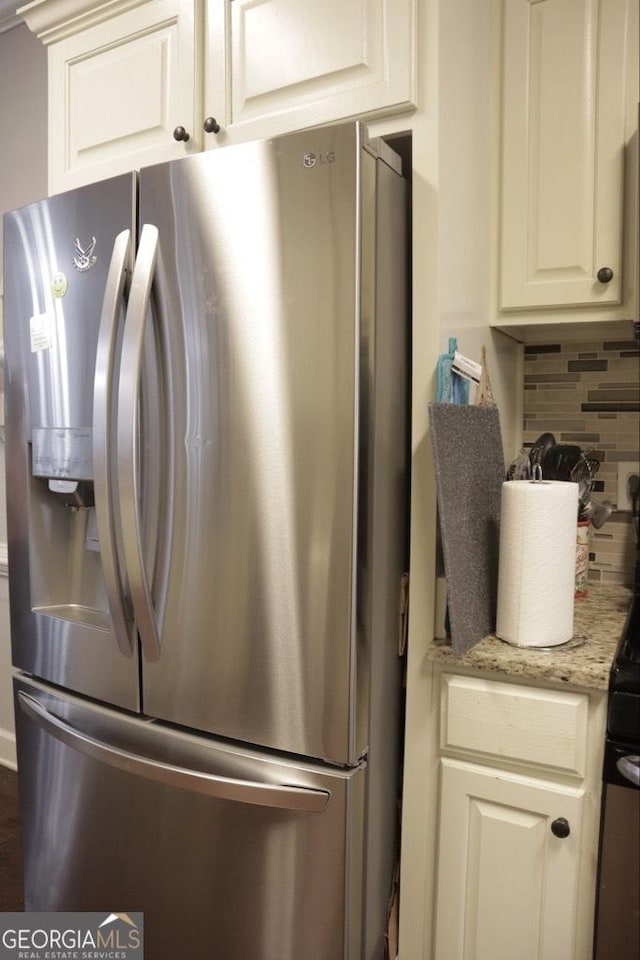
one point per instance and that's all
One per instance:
(539, 728)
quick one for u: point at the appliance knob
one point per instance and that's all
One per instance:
(180, 134)
(605, 275)
(560, 828)
(211, 125)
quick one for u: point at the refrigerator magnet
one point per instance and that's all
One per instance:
(41, 332)
(59, 285)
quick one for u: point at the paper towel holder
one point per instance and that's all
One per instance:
(537, 473)
(570, 644)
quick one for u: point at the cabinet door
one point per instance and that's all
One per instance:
(118, 89)
(297, 63)
(507, 886)
(563, 136)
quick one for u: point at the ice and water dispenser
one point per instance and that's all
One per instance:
(63, 455)
(59, 351)
(65, 571)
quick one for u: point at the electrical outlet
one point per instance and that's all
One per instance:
(626, 469)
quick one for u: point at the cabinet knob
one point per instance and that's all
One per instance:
(180, 134)
(560, 828)
(605, 275)
(211, 125)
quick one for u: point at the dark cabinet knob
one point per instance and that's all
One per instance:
(560, 828)
(605, 275)
(180, 134)
(211, 125)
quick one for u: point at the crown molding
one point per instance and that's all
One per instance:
(52, 20)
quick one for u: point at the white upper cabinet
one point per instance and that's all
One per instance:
(296, 63)
(118, 85)
(133, 83)
(568, 91)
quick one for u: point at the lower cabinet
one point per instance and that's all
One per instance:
(514, 819)
(508, 863)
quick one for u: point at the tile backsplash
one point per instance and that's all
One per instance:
(589, 394)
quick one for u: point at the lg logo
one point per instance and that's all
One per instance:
(311, 159)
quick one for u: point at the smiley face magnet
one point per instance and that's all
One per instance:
(59, 285)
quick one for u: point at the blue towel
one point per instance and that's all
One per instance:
(450, 386)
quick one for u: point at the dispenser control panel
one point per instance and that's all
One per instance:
(62, 452)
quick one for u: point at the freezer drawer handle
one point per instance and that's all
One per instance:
(629, 768)
(102, 429)
(197, 781)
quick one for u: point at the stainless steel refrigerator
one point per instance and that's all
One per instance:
(206, 445)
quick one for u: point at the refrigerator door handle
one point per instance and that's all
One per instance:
(128, 413)
(102, 441)
(280, 796)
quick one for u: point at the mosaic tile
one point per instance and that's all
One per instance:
(623, 366)
(603, 393)
(587, 393)
(614, 577)
(537, 348)
(580, 438)
(619, 345)
(550, 377)
(621, 455)
(550, 423)
(621, 405)
(587, 365)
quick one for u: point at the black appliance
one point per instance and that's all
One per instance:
(617, 926)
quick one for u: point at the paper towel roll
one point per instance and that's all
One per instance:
(536, 570)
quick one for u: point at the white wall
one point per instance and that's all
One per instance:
(23, 119)
(454, 243)
(23, 178)
(468, 203)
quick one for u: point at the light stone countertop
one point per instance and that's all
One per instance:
(599, 617)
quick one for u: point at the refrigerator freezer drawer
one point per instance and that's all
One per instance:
(196, 833)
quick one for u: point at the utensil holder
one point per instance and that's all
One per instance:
(582, 558)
